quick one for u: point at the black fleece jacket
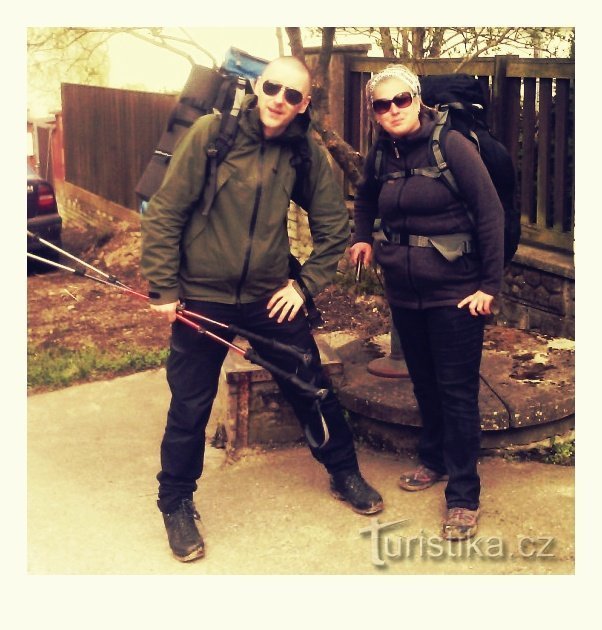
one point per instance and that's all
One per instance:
(418, 277)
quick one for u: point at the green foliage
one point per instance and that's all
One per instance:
(59, 367)
(562, 453)
(559, 452)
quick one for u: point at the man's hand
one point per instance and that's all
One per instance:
(169, 310)
(478, 303)
(287, 301)
(363, 251)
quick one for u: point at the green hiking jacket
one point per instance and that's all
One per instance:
(239, 252)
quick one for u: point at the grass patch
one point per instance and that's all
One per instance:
(560, 453)
(59, 367)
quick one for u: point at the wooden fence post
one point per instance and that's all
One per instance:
(499, 96)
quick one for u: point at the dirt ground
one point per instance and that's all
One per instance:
(68, 311)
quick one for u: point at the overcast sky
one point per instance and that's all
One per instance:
(137, 64)
(134, 62)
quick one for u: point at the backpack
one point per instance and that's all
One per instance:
(206, 90)
(461, 105)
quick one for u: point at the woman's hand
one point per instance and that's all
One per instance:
(287, 301)
(478, 303)
(363, 251)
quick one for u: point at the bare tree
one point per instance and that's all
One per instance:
(345, 156)
(462, 42)
(63, 55)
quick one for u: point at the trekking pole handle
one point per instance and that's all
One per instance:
(315, 392)
(301, 355)
(298, 353)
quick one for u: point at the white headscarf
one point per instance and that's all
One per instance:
(394, 72)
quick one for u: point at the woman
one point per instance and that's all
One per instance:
(437, 294)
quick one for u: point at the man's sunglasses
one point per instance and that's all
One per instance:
(383, 105)
(291, 96)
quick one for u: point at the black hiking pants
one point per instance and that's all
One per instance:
(443, 348)
(193, 369)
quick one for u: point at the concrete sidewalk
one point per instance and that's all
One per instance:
(93, 453)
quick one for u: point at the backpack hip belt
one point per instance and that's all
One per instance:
(450, 246)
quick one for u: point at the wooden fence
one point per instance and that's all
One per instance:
(531, 110)
(109, 135)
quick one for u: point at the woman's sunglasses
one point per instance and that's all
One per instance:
(291, 96)
(383, 105)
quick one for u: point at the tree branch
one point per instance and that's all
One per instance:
(478, 51)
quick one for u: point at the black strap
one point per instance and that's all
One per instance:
(314, 316)
(217, 150)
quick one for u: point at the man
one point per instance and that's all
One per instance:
(231, 264)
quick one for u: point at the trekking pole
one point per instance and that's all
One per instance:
(249, 354)
(111, 279)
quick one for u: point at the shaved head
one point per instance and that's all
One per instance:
(290, 71)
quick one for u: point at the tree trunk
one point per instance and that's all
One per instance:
(344, 155)
(350, 161)
(386, 42)
(418, 34)
(321, 75)
(280, 41)
(296, 41)
(405, 44)
(437, 43)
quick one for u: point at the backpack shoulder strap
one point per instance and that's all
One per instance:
(380, 177)
(301, 162)
(218, 149)
(448, 178)
(437, 151)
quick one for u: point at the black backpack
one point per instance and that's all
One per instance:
(461, 105)
(206, 90)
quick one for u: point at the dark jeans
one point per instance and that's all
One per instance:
(193, 369)
(443, 348)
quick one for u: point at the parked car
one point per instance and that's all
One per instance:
(43, 216)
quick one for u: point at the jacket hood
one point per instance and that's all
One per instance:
(252, 125)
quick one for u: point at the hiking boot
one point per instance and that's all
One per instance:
(184, 539)
(352, 488)
(419, 478)
(461, 523)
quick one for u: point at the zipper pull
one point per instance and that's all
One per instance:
(395, 149)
